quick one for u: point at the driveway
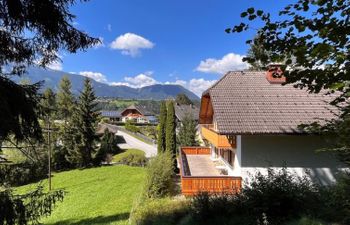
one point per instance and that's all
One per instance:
(131, 142)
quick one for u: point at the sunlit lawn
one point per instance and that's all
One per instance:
(102, 195)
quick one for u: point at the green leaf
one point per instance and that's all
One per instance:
(251, 10)
(244, 14)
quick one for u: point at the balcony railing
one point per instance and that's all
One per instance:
(219, 141)
(192, 185)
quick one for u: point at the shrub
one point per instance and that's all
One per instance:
(23, 173)
(131, 157)
(160, 211)
(134, 160)
(335, 201)
(276, 197)
(159, 176)
(131, 127)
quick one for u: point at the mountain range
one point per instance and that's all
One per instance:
(52, 79)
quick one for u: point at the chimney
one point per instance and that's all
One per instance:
(274, 74)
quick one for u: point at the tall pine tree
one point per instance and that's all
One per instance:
(188, 132)
(48, 104)
(84, 122)
(161, 127)
(170, 132)
(65, 99)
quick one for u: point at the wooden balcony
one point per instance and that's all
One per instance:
(219, 141)
(198, 174)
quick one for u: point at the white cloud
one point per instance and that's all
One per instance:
(131, 44)
(94, 75)
(55, 65)
(141, 80)
(228, 62)
(101, 44)
(199, 85)
(109, 27)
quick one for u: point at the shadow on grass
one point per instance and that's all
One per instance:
(95, 220)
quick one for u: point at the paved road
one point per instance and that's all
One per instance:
(131, 142)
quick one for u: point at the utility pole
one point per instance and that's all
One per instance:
(49, 151)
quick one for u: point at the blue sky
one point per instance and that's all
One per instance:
(161, 41)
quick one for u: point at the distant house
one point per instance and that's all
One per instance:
(250, 122)
(138, 114)
(102, 127)
(113, 116)
(182, 110)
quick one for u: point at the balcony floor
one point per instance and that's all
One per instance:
(202, 165)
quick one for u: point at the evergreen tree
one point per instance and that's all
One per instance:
(65, 99)
(170, 132)
(182, 99)
(30, 30)
(48, 104)
(188, 132)
(108, 146)
(161, 127)
(84, 122)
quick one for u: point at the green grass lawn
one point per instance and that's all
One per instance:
(132, 151)
(102, 195)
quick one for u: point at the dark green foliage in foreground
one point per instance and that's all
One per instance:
(23, 173)
(187, 135)
(28, 208)
(277, 198)
(159, 178)
(161, 127)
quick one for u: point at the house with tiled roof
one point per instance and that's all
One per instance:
(251, 121)
(138, 114)
(183, 110)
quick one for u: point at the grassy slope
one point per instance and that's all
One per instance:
(131, 151)
(96, 196)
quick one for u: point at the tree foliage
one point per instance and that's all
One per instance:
(170, 130)
(32, 31)
(256, 51)
(108, 146)
(161, 127)
(24, 209)
(187, 135)
(65, 99)
(182, 99)
(312, 39)
(48, 104)
(84, 123)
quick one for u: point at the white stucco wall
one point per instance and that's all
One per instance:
(296, 152)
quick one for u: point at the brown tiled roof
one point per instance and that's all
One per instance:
(182, 110)
(246, 103)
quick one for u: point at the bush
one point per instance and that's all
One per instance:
(276, 198)
(160, 211)
(335, 201)
(159, 176)
(133, 160)
(131, 157)
(23, 173)
(131, 127)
